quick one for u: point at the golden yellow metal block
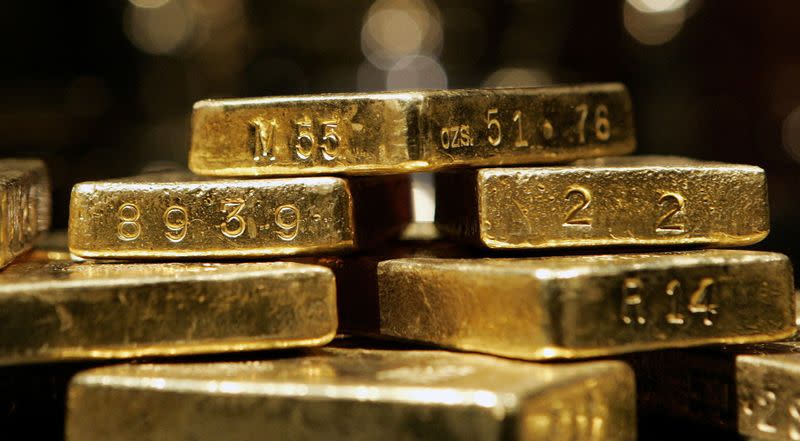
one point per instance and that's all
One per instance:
(647, 200)
(768, 391)
(25, 203)
(587, 306)
(177, 215)
(399, 132)
(351, 394)
(62, 310)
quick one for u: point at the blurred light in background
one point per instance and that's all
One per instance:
(394, 29)
(403, 38)
(518, 77)
(655, 22)
(158, 27)
(416, 72)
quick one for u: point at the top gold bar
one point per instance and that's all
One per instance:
(411, 131)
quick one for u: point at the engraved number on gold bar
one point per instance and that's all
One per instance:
(674, 204)
(602, 125)
(287, 218)
(176, 220)
(234, 223)
(700, 302)
(582, 198)
(128, 228)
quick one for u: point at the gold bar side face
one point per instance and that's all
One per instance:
(175, 215)
(25, 202)
(648, 200)
(526, 125)
(768, 390)
(400, 132)
(587, 306)
(350, 394)
(60, 310)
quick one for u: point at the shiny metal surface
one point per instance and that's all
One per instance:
(25, 204)
(637, 200)
(587, 306)
(399, 132)
(63, 310)
(178, 215)
(352, 394)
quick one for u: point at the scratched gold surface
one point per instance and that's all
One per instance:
(398, 132)
(353, 394)
(61, 310)
(25, 203)
(177, 215)
(645, 200)
(586, 306)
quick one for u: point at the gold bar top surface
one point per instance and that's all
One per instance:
(587, 306)
(352, 394)
(25, 205)
(62, 310)
(400, 132)
(625, 201)
(177, 215)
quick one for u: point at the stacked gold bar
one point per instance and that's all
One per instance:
(290, 232)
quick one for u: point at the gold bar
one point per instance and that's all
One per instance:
(768, 390)
(24, 205)
(350, 394)
(587, 306)
(177, 215)
(399, 132)
(647, 200)
(62, 310)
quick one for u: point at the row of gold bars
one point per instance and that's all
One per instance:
(468, 331)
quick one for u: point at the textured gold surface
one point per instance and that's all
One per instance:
(59, 310)
(24, 205)
(586, 306)
(179, 215)
(647, 200)
(396, 132)
(351, 394)
(768, 390)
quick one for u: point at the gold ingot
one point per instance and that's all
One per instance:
(24, 205)
(647, 200)
(587, 306)
(177, 215)
(399, 132)
(768, 391)
(351, 394)
(62, 310)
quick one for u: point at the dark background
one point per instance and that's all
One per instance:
(100, 89)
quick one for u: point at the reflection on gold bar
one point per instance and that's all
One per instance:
(647, 200)
(586, 306)
(60, 310)
(178, 215)
(351, 394)
(24, 205)
(398, 132)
